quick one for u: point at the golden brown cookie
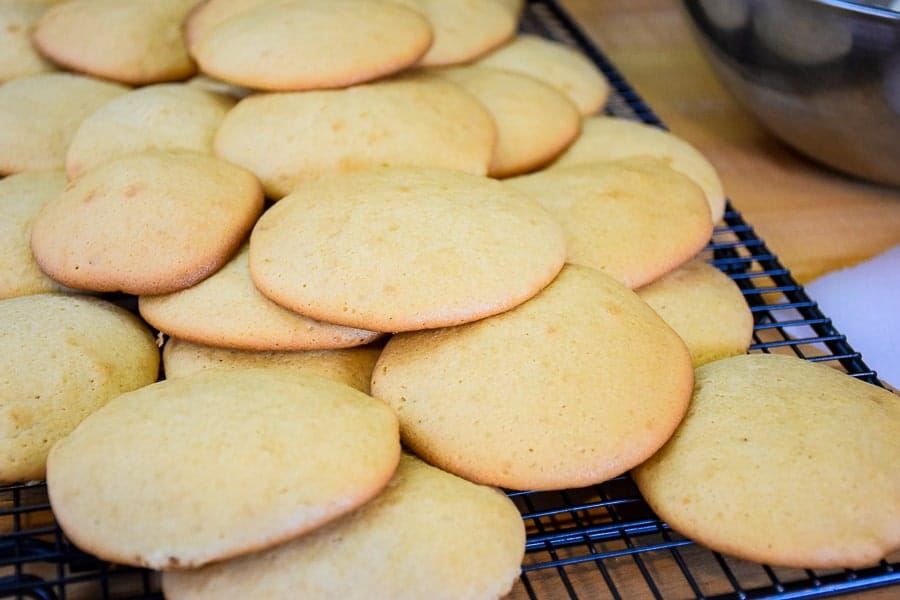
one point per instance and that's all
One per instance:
(39, 114)
(782, 461)
(226, 310)
(634, 219)
(612, 138)
(705, 307)
(352, 366)
(21, 198)
(164, 116)
(398, 249)
(573, 387)
(64, 357)
(278, 45)
(146, 223)
(535, 121)
(427, 535)
(135, 42)
(308, 448)
(415, 120)
(562, 66)
(463, 30)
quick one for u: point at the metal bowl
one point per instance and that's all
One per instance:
(822, 75)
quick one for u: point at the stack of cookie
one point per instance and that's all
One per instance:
(358, 225)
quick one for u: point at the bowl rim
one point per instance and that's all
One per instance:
(861, 7)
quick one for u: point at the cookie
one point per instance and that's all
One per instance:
(21, 198)
(137, 42)
(416, 120)
(705, 307)
(208, 14)
(634, 219)
(164, 116)
(563, 67)
(18, 56)
(146, 223)
(612, 138)
(39, 114)
(226, 310)
(285, 453)
(573, 387)
(65, 356)
(277, 45)
(398, 249)
(351, 366)
(427, 535)
(784, 462)
(463, 30)
(535, 122)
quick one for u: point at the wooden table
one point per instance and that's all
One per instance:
(814, 219)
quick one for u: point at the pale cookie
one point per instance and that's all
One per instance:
(784, 462)
(351, 366)
(208, 14)
(64, 357)
(39, 115)
(226, 310)
(135, 42)
(165, 116)
(419, 120)
(146, 223)
(613, 138)
(278, 45)
(463, 30)
(563, 67)
(705, 307)
(18, 56)
(401, 249)
(634, 219)
(535, 121)
(218, 464)
(427, 535)
(573, 387)
(21, 198)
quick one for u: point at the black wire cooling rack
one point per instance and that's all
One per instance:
(592, 543)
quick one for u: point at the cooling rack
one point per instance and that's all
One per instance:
(592, 543)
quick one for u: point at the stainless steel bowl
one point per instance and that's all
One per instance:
(822, 75)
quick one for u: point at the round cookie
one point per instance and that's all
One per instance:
(404, 248)
(278, 45)
(351, 366)
(21, 198)
(535, 122)
(226, 310)
(634, 219)
(164, 116)
(136, 42)
(563, 67)
(415, 120)
(429, 534)
(463, 30)
(18, 56)
(784, 462)
(208, 14)
(64, 357)
(611, 138)
(285, 453)
(146, 223)
(705, 307)
(39, 114)
(573, 387)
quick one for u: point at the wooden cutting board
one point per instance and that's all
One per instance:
(814, 219)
